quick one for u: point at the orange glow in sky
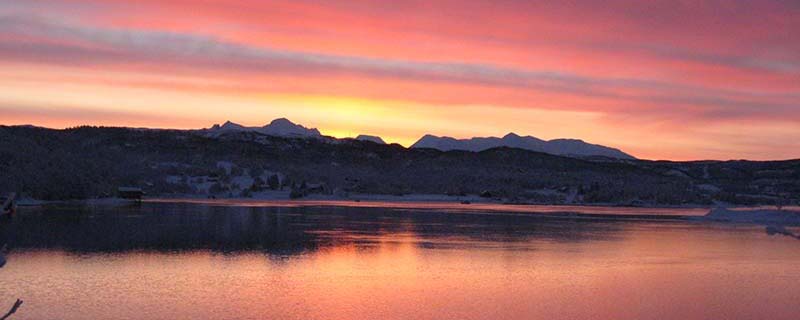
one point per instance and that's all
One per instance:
(657, 79)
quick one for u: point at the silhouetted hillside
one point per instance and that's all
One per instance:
(89, 162)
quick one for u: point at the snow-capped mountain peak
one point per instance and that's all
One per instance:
(564, 147)
(279, 127)
(285, 128)
(374, 139)
(232, 125)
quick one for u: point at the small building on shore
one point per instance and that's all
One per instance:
(130, 193)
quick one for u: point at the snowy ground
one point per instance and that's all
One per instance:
(768, 216)
(756, 216)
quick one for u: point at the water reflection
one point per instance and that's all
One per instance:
(281, 230)
(190, 261)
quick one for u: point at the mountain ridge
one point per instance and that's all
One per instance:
(370, 138)
(280, 127)
(89, 162)
(562, 147)
(283, 127)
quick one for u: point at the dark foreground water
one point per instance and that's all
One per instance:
(200, 261)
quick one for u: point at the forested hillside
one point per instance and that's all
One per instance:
(89, 162)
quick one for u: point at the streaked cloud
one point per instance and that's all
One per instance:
(635, 66)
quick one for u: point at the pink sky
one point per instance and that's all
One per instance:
(658, 79)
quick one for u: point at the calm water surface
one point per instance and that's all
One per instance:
(205, 261)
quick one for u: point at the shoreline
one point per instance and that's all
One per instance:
(283, 197)
(444, 203)
(759, 215)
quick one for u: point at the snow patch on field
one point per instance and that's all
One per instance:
(173, 179)
(758, 216)
(243, 181)
(708, 188)
(225, 165)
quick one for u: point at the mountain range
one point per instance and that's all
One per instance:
(90, 162)
(564, 147)
(279, 127)
(561, 147)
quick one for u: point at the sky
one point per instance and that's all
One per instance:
(678, 80)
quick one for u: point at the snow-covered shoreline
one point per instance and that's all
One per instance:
(356, 197)
(445, 203)
(789, 216)
(754, 216)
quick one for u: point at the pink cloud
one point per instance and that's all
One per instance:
(665, 63)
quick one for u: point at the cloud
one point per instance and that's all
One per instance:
(45, 40)
(743, 62)
(656, 73)
(131, 46)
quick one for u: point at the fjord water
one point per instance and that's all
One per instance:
(203, 261)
